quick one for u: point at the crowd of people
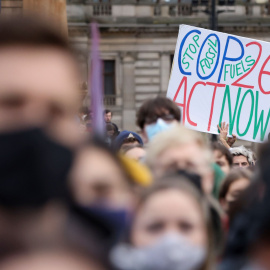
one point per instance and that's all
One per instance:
(164, 198)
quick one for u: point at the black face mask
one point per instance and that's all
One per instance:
(33, 169)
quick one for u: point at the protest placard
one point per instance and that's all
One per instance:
(220, 77)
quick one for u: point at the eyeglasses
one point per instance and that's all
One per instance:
(165, 117)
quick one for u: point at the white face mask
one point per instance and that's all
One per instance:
(172, 252)
(154, 129)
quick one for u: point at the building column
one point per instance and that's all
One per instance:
(165, 68)
(128, 90)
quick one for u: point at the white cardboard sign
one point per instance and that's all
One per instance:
(219, 77)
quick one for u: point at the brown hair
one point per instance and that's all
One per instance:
(155, 107)
(182, 183)
(31, 31)
(107, 111)
(224, 151)
(130, 140)
(232, 177)
(126, 148)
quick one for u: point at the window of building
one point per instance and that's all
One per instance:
(171, 59)
(109, 77)
(109, 83)
(102, 7)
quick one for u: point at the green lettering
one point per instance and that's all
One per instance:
(232, 68)
(185, 63)
(187, 54)
(192, 46)
(228, 97)
(259, 124)
(202, 65)
(251, 60)
(250, 115)
(238, 69)
(245, 70)
(210, 58)
(196, 38)
(225, 71)
(215, 44)
(212, 46)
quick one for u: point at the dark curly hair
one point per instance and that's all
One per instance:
(156, 107)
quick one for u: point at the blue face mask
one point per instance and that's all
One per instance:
(156, 128)
(117, 219)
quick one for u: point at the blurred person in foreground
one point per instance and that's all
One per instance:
(38, 102)
(36, 228)
(107, 185)
(171, 229)
(233, 186)
(39, 80)
(156, 115)
(180, 148)
(134, 152)
(53, 260)
(38, 128)
(222, 157)
(248, 244)
(98, 179)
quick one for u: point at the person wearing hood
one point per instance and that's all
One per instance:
(126, 138)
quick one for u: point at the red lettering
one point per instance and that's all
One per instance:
(183, 105)
(262, 72)
(236, 83)
(189, 99)
(216, 85)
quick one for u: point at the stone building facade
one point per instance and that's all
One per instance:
(138, 39)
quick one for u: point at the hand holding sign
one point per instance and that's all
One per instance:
(223, 137)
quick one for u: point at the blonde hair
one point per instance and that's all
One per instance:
(175, 136)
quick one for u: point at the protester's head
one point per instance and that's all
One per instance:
(180, 148)
(134, 152)
(53, 260)
(110, 130)
(242, 157)
(171, 206)
(156, 115)
(172, 217)
(222, 157)
(39, 79)
(33, 188)
(127, 138)
(107, 116)
(233, 185)
(98, 179)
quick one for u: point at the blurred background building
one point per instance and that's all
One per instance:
(138, 39)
